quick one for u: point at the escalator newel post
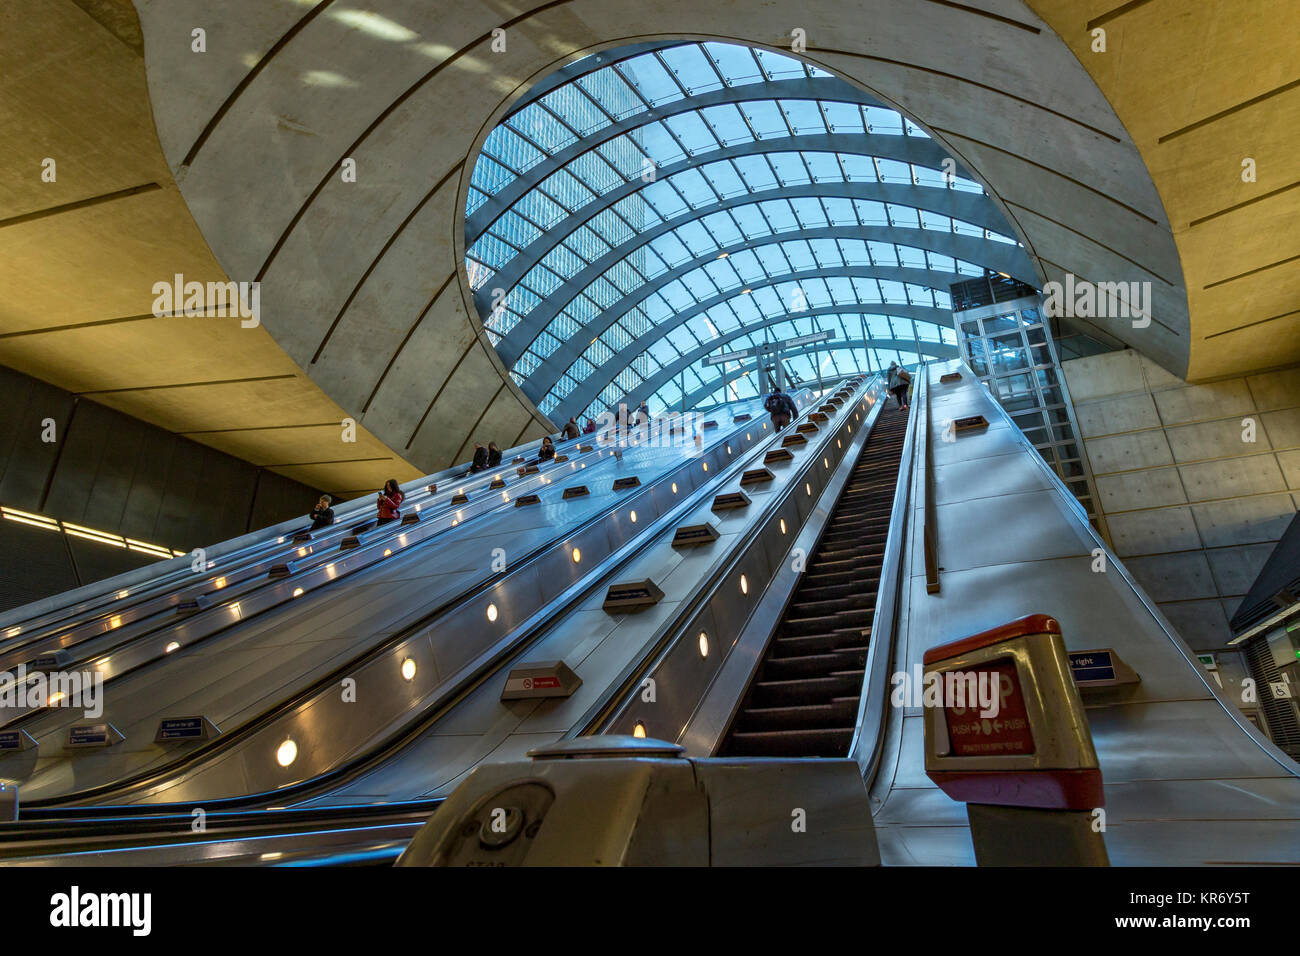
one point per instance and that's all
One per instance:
(1006, 733)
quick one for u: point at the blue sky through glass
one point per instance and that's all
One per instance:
(611, 251)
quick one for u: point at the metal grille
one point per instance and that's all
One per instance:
(1279, 715)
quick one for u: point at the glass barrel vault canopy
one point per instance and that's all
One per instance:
(648, 206)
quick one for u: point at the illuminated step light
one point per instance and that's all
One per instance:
(286, 753)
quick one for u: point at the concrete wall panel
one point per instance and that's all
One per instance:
(1198, 531)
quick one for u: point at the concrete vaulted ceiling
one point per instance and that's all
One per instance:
(1114, 166)
(79, 257)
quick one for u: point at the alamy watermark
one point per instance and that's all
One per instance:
(210, 299)
(32, 690)
(1079, 298)
(638, 427)
(952, 690)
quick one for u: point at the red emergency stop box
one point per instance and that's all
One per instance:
(1008, 726)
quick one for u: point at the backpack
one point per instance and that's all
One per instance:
(903, 377)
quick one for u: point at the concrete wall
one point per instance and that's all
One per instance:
(1193, 508)
(112, 472)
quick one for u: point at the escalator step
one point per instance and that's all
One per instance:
(812, 665)
(792, 743)
(779, 693)
(799, 717)
(804, 698)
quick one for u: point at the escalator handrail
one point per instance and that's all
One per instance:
(869, 728)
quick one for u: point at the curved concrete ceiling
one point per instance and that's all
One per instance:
(364, 283)
(79, 256)
(1201, 87)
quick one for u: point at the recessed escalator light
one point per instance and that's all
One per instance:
(115, 622)
(219, 583)
(728, 449)
(825, 463)
(837, 443)
(492, 612)
(639, 730)
(744, 584)
(122, 594)
(674, 487)
(577, 555)
(706, 466)
(286, 753)
(54, 698)
(408, 669)
(297, 592)
(632, 515)
(808, 488)
(171, 647)
(388, 552)
(783, 526)
(704, 644)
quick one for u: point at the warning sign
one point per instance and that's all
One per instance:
(1005, 733)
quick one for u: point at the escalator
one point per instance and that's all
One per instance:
(803, 700)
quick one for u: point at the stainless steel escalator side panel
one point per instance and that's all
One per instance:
(326, 732)
(651, 811)
(97, 593)
(736, 626)
(600, 647)
(1188, 780)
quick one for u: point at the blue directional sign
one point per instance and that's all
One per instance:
(1092, 666)
(181, 728)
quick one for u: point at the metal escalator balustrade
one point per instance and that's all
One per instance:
(804, 699)
(293, 549)
(116, 646)
(700, 655)
(298, 715)
(110, 595)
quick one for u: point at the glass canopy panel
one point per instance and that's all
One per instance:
(628, 252)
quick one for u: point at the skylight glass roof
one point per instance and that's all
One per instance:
(646, 207)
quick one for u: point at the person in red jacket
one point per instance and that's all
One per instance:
(389, 500)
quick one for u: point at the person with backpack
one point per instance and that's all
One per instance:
(571, 429)
(781, 408)
(898, 383)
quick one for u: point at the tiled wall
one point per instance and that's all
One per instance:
(1193, 508)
